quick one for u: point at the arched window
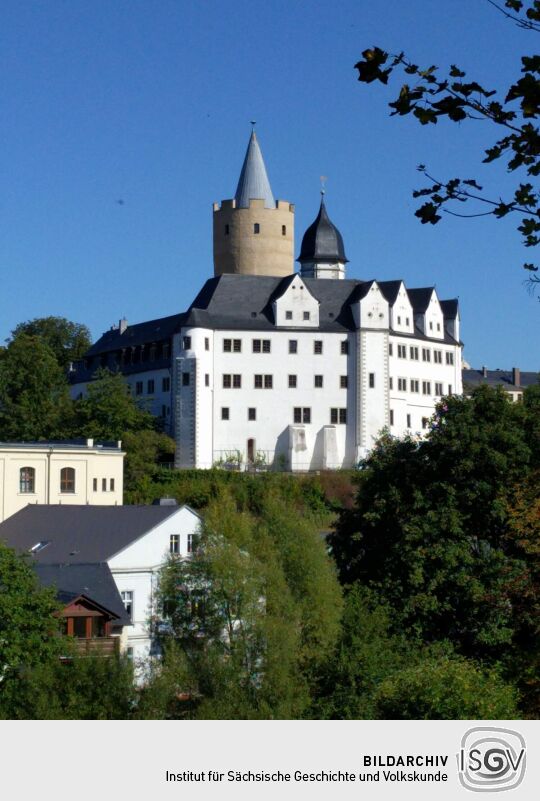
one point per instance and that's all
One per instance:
(27, 479)
(67, 479)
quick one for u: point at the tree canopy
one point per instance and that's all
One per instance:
(67, 340)
(512, 110)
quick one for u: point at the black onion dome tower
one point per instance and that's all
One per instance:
(322, 254)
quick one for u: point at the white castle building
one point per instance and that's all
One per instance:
(299, 371)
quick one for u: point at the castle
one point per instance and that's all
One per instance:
(272, 367)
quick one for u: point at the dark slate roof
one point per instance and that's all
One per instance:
(420, 298)
(138, 334)
(390, 290)
(322, 240)
(450, 308)
(79, 534)
(244, 303)
(253, 182)
(500, 378)
(94, 581)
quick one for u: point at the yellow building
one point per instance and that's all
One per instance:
(79, 472)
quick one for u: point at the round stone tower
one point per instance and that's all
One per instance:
(253, 233)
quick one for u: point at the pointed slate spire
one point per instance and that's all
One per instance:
(254, 183)
(322, 241)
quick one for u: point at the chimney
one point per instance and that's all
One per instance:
(484, 372)
(122, 325)
(516, 376)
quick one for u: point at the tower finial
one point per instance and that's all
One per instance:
(253, 124)
(323, 182)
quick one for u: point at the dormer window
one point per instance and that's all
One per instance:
(39, 546)
(306, 315)
(399, 320)
(288, 315)
(256, 228)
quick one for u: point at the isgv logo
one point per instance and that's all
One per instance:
(491, 759)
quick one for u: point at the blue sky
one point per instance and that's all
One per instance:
(150, 102)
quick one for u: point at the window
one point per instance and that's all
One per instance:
(338, 416)
(167, 348)
(224, 412)
(391, 410)
(261, 346)
(207, 379)
(425, 422)
(127, 599)
(449, 358)
(407, 321)
(111, 485)
(288, 315)
(256, 228)
(292, 382)
(227, 381)
(206, 343)
(227, 346)
(402, 351)
(306, 315)
(402, 384)
(344, 347)
(438, 389)
(318, 381)
(237, 345)
(437, 356)
(399, 320)
(302, 415)
(174, 543)
(138, 388)
(67, 479)
(258, 381)
(252, 413)
(426, 387)
(268, 382)
(343, 381)
(39, 546)
(413, 353)
(150, 387)
(166, 384)
(237, 381)
(190, 543)
(390, 349)
(266, 346)
(27, 479)
(415, 385)
(317, 346)
(431, 326)
(391, 382)
(227, 230)
(408, 421)
(449, 389)
(283, 230)
(94, 484)
(293, 346)
(104, 485)
(185, 379)
(186, 343)
(372, 380)
(438, 326)
(426, 355)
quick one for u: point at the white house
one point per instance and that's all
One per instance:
(298, 370)
(76, 472)
(133, 541)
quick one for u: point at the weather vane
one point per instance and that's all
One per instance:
(323, 184)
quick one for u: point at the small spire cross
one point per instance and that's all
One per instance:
(323, 184)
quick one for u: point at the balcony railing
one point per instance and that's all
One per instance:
(96, 646)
